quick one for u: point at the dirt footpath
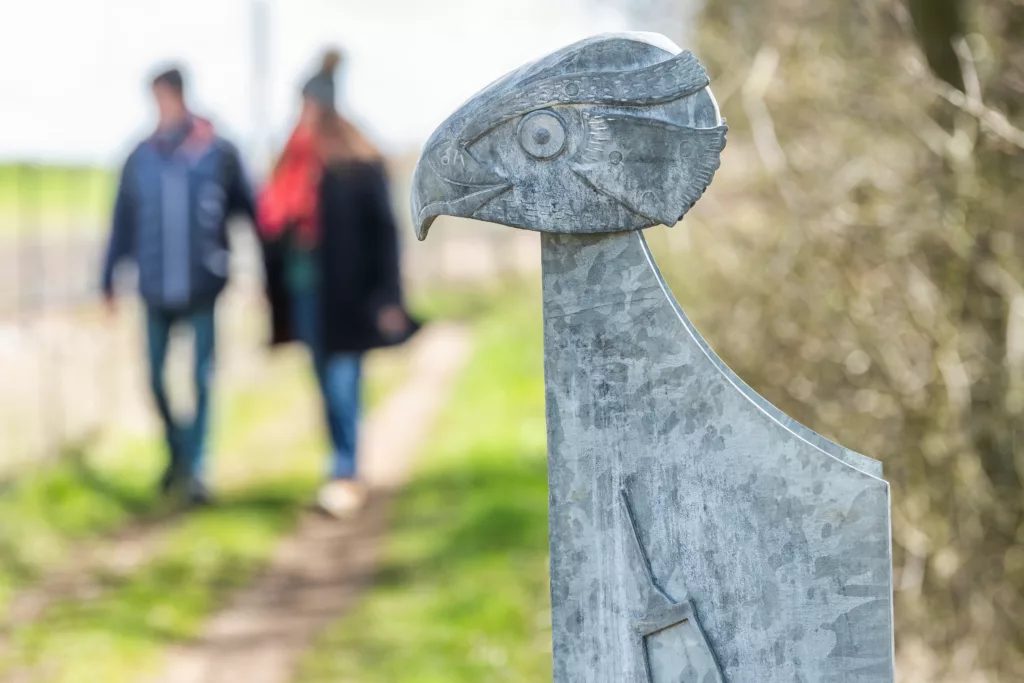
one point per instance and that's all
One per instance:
(319, 571)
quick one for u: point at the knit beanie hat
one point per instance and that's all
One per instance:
(320, 87)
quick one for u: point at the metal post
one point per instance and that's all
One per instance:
(260, 144)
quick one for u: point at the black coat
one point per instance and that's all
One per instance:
(358, 263)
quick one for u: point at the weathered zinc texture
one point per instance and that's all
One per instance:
(698, 535)
(566, 144)
(782, 547)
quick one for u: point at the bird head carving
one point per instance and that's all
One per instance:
(617, 132)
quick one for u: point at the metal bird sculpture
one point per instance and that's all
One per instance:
(567, 145)
(698, 534)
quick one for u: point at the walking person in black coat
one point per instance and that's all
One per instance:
(331, 254)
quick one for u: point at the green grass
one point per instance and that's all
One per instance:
(473, 520)
(118, 635)
(47, 511)
(99, 487)
(53, 201)
(473, 304)
(463, 592)
(121, 631)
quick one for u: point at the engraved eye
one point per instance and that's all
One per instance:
(542, 134)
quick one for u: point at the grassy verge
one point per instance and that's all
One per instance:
(118, 635)
(48, 511)
(463, 593)
(102, 486)
(52, 200)
(495, 534)
(264, 478)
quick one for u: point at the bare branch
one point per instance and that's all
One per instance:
(762, 71)
(993, 119)
(971, 101)
(762, 126)
(972, 84)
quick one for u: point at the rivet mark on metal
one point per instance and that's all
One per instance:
(671, 638)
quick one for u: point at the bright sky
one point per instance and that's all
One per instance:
(73, 73)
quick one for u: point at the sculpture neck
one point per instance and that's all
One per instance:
(593, 271)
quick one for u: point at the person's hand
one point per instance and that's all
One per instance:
(392, 321)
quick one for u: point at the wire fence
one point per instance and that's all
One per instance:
(50, 235)
(49, 240)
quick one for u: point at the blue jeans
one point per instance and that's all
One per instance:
(185, 441)
(339, 377)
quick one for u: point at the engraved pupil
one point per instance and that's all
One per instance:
(542, 135)
(615, 157)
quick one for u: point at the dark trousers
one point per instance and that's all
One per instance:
(186, 440)
(339, 377)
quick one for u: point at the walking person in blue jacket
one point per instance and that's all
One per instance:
(177, 190)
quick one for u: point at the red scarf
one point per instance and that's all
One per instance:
(292, 197)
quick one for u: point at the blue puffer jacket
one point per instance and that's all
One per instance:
(177, 191)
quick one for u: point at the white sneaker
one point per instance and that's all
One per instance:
(341, 498)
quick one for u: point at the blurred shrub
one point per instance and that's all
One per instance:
(858, 261)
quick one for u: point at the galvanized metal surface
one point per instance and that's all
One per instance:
(617, 132)
(697, 533)
(781, 546)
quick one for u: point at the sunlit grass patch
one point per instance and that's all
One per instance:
(116, 635)
(463, 592)
(267, 459)
(51, 201)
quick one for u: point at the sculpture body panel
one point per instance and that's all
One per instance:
(782, 548)
(698, 535)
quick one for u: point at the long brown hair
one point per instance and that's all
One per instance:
(340, 141)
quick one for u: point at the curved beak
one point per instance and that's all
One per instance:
(449, 181)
